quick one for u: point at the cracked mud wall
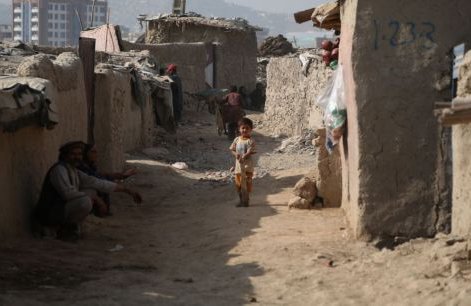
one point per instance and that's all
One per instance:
(236, 61)
(235, 51)
(121, 125)
(461, 220)
(349, 149)
(290, 105)
(27, 154)
(398, 65)
(328, 172)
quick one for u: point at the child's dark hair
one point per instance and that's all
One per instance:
(233, 88)
(246, 121)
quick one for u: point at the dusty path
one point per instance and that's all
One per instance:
(189, 245)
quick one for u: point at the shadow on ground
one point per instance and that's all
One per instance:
(179, 248)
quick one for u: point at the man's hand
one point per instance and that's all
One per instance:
(101, 209)
(135, 196)
(130, 172)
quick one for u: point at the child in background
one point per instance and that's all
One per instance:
(243, 148)
(233, 112)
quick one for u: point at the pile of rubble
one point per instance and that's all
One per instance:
(299, 144)
(11, 55)
(135, 59)
(15, 48)
(276, 46)
(324, 183)
(219, 177)
(239, 23)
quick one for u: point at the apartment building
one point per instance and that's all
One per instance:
(56, 22)
(6, 32)
(100, 15)
(26, 20)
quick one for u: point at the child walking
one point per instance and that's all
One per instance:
(243, 148)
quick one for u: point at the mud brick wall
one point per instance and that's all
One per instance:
(235, 51)
(397, 65)
(190, 59)
(121, 124)
(27, 154)
(291, 96)
(461, 220)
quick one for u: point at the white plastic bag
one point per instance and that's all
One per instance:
(332, 100)
(180, 166)
(334, 92)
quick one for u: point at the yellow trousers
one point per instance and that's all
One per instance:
(249, 180)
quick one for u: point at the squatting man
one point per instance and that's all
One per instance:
(67, 196)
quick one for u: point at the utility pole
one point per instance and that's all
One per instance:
(179, 7)
(295, 42)
(79, 19)
(93, 13)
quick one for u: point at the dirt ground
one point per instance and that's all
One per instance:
(189, 245)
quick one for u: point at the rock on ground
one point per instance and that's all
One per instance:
(299, 203)
(306, 189)
(298, 144)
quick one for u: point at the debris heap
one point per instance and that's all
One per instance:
(276, 46)
(229, 24)
(299, 144)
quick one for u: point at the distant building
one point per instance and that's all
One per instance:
(6, 32)
(128, 35)
(134, 36)
(179, 7)
(55, 22)
(231, 46)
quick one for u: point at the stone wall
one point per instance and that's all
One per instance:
(290, 106)
(461, 224)
(236, 50)
(397, 65)
(27, 154)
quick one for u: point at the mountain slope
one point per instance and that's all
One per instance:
(125, 13)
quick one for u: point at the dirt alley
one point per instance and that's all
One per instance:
(189, 245)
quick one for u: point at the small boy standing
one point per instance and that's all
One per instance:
(243, 148)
